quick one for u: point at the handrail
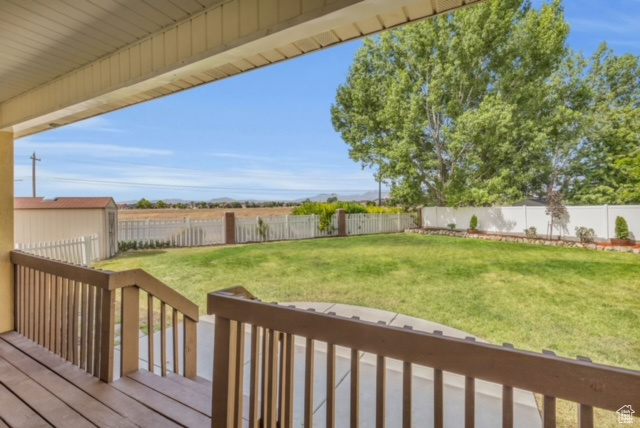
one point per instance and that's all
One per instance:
(581, 381)
(70, 310)
(109, 280)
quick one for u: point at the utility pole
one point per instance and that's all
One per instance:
(33, 176)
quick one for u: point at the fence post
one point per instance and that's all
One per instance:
(342, 222)
(526, 221)
(86, 250)
(146, 231)
(189, 237)
(606, 220)
(229, 228)
(419, 217)
(287, 229)
(436, 215)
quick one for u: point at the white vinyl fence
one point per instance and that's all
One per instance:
(282, 228)
(364, 224)
(173, 233)
(81, 251)
(514, 220)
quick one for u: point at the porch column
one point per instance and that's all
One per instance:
(6, 231)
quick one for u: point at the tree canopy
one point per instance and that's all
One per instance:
(489, 105)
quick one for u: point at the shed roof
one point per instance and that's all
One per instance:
(62, 203)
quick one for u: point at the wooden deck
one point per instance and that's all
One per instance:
(40, 389)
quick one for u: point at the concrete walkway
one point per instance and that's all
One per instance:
(488, 395)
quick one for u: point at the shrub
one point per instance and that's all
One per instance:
(473, 224)
(451, 226)
(585, 234)
(531, 232)
(622, 229)
(263, 229)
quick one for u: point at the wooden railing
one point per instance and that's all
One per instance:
(72, 311)
(271, 367)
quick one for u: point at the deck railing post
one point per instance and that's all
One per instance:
(130, 330)
(107, 330)
(224, 360)
(190, 348)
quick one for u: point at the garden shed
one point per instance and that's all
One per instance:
(40, 220)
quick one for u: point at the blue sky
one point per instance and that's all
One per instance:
(263, 135)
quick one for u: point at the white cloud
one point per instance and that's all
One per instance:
(95, 124)
(99, 150)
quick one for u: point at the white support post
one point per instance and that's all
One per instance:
(526, 221)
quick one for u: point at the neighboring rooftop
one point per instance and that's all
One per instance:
(39, 203)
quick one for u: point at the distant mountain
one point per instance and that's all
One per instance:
(322, 197)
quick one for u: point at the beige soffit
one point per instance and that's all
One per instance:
(66, 60)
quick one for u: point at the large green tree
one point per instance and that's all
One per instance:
(488, 105)
(449, 108)
(606, 167)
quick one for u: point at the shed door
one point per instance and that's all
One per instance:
(112, 234)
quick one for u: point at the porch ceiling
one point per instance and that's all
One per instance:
(63, 61)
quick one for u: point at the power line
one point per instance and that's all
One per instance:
(192, 187)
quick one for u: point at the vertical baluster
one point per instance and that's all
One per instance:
(174, 324)
(29, 306)
(585, 416)
(84, 327)
(18, 297)
(56, 319)
(507, 406)
(272, 378)
(355, 389)
(289, 373)
(331, 385)
(254, 380)
(381, 386)
(438, 399)
(64, 318)
(469, 402)
(163, 338)
(70, 320)
(91, 332)
(46, 320)
(239, 375)
(407, 377)
(36, 309)
(281, 378)
(43, 309)
(97, 341)
(265, 368)
(76, 310)
(308, 384)
(31, 314)
(549, 412)
(150, 334)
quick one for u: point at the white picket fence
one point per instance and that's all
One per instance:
(514, 220)
(173, 233)
(81, 251)
(365, 224)
(190, 233)
(282, 228)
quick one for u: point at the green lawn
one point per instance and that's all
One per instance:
(572, 301)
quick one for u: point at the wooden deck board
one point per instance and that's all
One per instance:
(160, 403)
(18, 414)
(183, 394)
(144, 400)
(78, 400)
(46, 404)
